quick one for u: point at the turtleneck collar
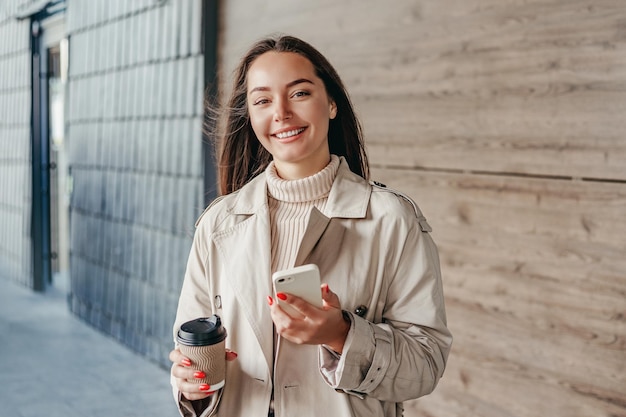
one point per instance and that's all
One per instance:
(302, 190)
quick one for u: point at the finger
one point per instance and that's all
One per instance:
(231, 355)
(187, 384)
(273, 305)
(177, 357)
(277, 312)
(182, 372)
(193, 391)
(192, 396)
(330, 298)
(298, 304)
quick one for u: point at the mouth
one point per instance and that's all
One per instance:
(287, 134)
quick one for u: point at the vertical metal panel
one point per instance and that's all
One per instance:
(39, 157)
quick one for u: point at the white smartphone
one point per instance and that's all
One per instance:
(302, 281)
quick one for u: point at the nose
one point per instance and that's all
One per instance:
(282, 110)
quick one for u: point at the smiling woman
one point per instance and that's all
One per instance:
(293, 174)
(242, 156)
(290, 112)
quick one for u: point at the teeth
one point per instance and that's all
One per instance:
(289, 133)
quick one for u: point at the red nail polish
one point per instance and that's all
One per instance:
(326, 288)
(205, 387)
(199, 375)
(281, 295)
(185, 362)
(270, 301)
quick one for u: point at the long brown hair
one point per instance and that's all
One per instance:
(241, 156)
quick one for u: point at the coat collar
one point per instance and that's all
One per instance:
(348, 198)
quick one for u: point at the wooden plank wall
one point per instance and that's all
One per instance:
(506, 121)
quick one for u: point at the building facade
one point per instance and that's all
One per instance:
(114, 212)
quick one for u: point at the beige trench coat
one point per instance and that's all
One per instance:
(373, 248)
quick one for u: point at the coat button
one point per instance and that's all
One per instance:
(218, 301)
(360, 311)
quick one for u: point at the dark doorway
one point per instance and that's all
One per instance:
(50, 176)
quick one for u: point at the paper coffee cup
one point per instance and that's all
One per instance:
(203, 341)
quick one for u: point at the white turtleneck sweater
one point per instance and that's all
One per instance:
(290, 202)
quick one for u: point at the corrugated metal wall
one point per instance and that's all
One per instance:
(15, 152)
(134, 127)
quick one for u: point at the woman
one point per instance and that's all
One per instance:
(293, 176)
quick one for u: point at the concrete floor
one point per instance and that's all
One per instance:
(54, 365)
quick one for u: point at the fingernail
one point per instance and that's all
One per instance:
(270, 301)
(326, 288)
(235, 353)
(185, 362)
(205, 387)
(199, 375)
(281, 295)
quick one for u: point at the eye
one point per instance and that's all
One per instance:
(260, 101)
(300, 93)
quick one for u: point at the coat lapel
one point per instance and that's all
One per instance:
(245, 250)
(348, 198)
(315, 228)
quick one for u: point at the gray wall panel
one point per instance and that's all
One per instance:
(15, 167)
(135, 118)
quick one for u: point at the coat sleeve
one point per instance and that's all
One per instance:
(195, 301)
(404, 356)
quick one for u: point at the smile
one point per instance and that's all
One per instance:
(289, 133)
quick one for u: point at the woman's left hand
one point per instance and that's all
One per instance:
(320, 325)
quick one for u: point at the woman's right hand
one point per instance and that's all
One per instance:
(183, 371)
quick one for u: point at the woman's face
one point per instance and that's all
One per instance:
(290, 112)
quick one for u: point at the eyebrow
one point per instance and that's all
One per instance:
(288, 85)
